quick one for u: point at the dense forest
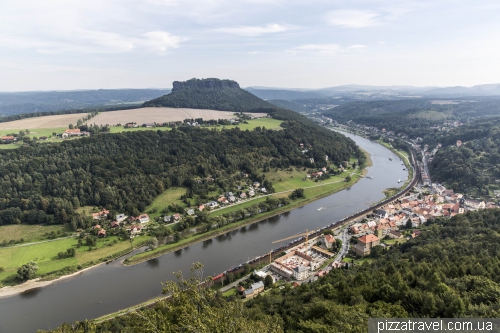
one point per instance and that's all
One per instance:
(50, 101)
(225, 95)
(474, 166)
(451, 270)
(44, 183)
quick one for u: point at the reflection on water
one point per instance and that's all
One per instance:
(253, 227)
(207, 243)
(30, 293)
(274, 219)
(153, 263)
(178, 253)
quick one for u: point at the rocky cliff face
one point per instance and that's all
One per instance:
(204, 84)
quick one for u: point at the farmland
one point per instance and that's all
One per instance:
(140, 116)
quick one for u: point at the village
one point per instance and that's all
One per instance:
(395, 222)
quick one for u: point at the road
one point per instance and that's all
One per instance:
(345, 244)
(426, 168)
(233, 284)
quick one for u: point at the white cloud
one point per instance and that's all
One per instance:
(92, 41)
(328, 49)
(353, 18)
(162, 2)
(254, 31)
(321, 48)
(160, 41)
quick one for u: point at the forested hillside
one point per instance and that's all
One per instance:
(474, 166)
(414, 116)
(224, 95)
(451, 270)
(125, 172)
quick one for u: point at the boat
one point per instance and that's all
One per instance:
(390, 158)
(320, 208)
(399, 180)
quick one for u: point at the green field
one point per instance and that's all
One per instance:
(170, 196)
(120, 129)
(34, 133)
(230, 292)
(45, 254)
(284, 180)
(30, 233)
(268, 123)
(430, 115)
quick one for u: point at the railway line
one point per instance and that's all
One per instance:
(344, 221)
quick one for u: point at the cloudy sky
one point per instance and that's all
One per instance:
(91, 44)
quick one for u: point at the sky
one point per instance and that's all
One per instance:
(111, 44)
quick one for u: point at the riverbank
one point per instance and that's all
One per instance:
(312, 193)
(66, 272)
(37, 283)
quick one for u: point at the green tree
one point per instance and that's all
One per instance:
(27, 271)
(297, 194)
(268, 281)
(152, 244)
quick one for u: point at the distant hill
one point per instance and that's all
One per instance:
(216, 94)
(479, 90)
(290, 105)
(283, 94)
(45, 101)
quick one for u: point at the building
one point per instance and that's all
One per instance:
(280, 269)
(474, 204)
(329, 240)
(121, 217)
(300, 273)
(254, 290)
(144, 218)
(365, 244)
(381, 213)
(102, 214)
(135, 230)
(74, 132)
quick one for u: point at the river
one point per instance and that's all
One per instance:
(112, 287)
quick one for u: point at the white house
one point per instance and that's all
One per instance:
(121, 217)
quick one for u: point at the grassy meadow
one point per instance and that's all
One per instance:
(45, 254)
(31, 233)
